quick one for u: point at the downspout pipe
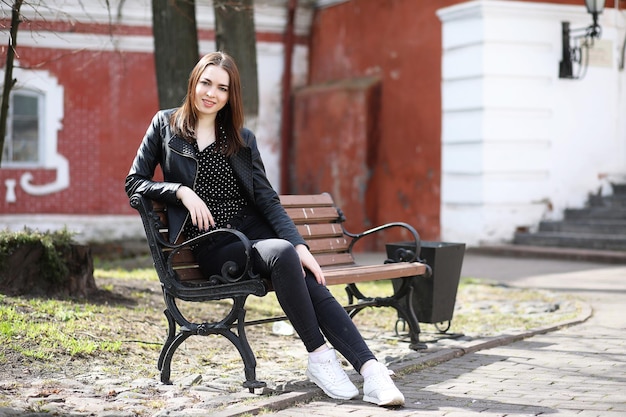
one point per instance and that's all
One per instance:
(285, 130)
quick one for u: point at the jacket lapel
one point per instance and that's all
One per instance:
(181, 146)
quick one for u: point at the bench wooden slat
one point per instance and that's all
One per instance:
(189, 273)
(319, 230)
(363, 273)
(334, 259)
(184, 256)
(315, 200)
(312, 214)
(333, 244)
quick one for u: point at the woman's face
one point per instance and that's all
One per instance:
(212, 90)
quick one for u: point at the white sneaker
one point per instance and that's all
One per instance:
(378, 388)
(331, 378)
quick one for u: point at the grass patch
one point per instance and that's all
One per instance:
(37, 329)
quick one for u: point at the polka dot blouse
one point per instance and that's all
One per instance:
(217, 186)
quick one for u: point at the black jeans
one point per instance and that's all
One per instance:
(311, 308)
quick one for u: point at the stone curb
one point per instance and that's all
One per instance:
(290, 399)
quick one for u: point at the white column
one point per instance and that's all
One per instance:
(518, 143)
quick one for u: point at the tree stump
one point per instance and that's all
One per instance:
(22, 272)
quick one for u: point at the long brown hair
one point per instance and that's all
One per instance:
(230, 117)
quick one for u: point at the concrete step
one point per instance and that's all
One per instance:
(619, 189)
(596, 212)
(598, 226)
(549, 252)
(572, 240)
(616, 201)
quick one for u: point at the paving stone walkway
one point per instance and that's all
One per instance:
(577, 370)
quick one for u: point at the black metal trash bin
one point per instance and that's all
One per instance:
(434, 297)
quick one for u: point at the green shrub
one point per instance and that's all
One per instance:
(53, 266)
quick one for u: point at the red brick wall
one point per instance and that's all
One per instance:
(109, 98)
(335, 155)
(398, 41)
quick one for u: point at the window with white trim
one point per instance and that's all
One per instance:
(24, 140)
(36, 113)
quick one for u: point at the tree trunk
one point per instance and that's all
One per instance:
(235, 34)
(8, 73)
(22, 272)
(175, 48)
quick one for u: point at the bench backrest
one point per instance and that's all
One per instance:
(316, 218)
(320, 224)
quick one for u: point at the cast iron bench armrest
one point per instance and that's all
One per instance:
(230, 271)
(412, 257)
(202, 289)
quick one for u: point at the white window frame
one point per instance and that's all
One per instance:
(40, 129)
(51, 116)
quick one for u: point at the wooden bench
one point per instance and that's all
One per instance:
(320, 222)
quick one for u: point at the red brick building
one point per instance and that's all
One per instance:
(366, 121)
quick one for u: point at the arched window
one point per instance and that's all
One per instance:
(23, 143)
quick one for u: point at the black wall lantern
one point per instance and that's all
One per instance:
(576, 42)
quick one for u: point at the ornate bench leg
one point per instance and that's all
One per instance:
(400, 300)
(245, 351)
(171, 333)
(405, 309)
(167, 359)
(222, 327)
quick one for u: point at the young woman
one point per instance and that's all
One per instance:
(214, 177)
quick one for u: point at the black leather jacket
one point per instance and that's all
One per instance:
(179, 165)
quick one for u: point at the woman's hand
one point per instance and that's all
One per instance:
(309, 262)
(200, 214)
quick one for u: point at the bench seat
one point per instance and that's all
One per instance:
(363, 273)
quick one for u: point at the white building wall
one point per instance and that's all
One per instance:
(519, 144)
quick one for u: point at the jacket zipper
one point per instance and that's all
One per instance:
(194, 187)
